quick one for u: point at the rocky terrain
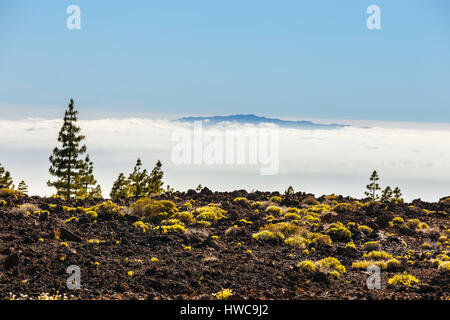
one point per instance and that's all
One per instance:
(236, 245)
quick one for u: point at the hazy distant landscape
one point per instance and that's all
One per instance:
(317, 161)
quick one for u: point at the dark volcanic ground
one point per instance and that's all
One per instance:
(33, 261)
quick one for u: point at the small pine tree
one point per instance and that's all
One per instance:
(95, 193)
(155, 179)
(139, 180)
(120, 188)
(64, 160)
(397, 194)
(386, 194)
(5, 179)
(22, 187)
(169, 190)
(373, 187)
(289, 192)
(85, 180)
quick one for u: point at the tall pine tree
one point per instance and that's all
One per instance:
(65, 162)
(5, 178)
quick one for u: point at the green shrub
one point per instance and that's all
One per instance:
(372, 245)
(241, 201)
(108, 209)
(276, 199)
(344, 208)
(209, 213)
(264, 236)
(378, 255)
(338, 231)
(273, 210)
(365, 229)
(6, 193)
(185, 216)
(306, 266)
(153, 210)
(403, 280)
(330, 264)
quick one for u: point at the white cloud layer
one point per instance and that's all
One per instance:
(316, 161)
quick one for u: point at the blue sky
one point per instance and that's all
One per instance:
(297, 59)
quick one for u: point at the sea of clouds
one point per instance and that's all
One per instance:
(317, 161)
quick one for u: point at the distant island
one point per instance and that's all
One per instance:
(254, 119)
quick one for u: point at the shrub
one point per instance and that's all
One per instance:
(276, 199)
(319, 240)
(350, 245)
(241, 201)
(264, 236)
(185, 216)
(372, 245)
(307, 266)
(367, 263)
(334, 274)
(209, 213)
(415, 224)
(344, 208)
(444, 266)
(203, 223)
(25, 209)
(273, 210)
(365, 229)
(71, 219)
(330, 264)
(187, 205)
(174, 228)
(224, 294)
(293, 210)
(319, 208)
(153, 209)
(392, 264)
(296, 241)
(108, 209)
(337, 231)
(398, 220)
(404, 280)
(245, 221)
(6, 193)
(286, 228)
(141, 225)
(292, 216)
(256, 205)
(378, 255)
(91, 214)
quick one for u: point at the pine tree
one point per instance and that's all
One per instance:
(22, 187)
(65, 163)
(5, 178)
(155, 181)
(373, 187)
(397, 194)
(120, 188)
(289, 192)
(139, 180)
(95, 193)
(386, 194)
(86, 180)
